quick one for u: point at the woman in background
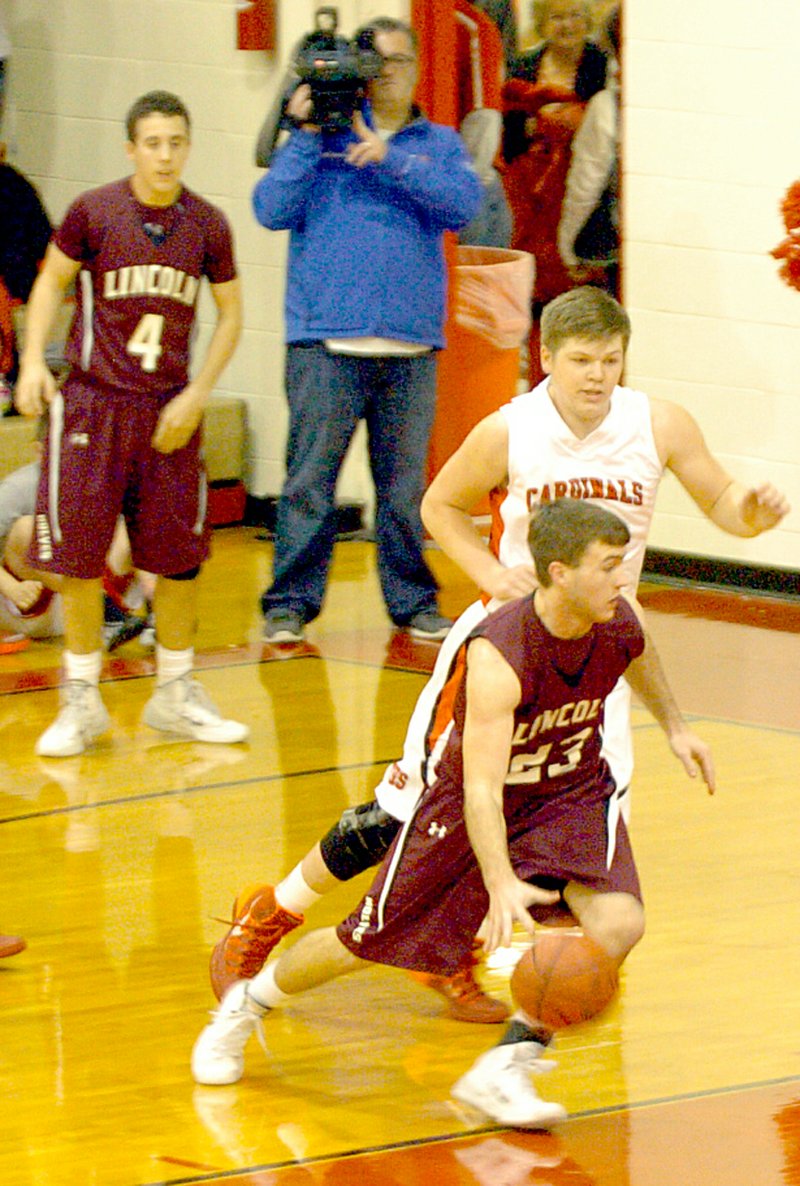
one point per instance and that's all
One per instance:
(544, 102)
(588, 234)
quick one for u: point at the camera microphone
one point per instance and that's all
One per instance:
(155, 233)
(158, 234)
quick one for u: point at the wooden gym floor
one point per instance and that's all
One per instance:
(116, 865)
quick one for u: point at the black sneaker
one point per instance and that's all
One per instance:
(282, 625)
(430, 624)
(122, 630)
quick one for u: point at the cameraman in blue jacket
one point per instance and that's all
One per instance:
(365, 309)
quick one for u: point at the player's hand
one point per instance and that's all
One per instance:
(696, 757)
(35, 388)
(26, 594)
(509, 903)
(763, 507)
(178, 421)
(369, 148)
(510, 583)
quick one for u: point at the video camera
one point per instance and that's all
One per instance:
(336, 70)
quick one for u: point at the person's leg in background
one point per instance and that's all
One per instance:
(323, 414)
(400, 412)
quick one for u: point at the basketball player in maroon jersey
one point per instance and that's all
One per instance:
(125, 429)
(582, 433)
(517, 816)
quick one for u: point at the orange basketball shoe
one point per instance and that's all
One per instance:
(259, 924)
(466, 1000)
(11, 945)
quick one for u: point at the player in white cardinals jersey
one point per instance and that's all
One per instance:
(617, 466)
(578, 434)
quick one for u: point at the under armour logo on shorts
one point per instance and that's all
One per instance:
(437, 830)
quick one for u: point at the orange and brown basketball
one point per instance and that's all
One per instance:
(563, 978)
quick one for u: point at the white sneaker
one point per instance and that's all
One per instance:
(218, 1054)
(499, 1085)
(183, 706)
(82, 718)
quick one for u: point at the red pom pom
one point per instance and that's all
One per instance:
(788, 251)
(790, 207)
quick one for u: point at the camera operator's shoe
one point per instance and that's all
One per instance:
(258, 925)
(430, 624)
(283, 625)
(499, 1085)
(466, 1000)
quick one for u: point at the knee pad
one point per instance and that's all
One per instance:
(360, 839)
(183, 576)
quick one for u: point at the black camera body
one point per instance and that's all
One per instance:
(336, 70)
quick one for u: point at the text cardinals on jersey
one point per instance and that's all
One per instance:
(611, 489)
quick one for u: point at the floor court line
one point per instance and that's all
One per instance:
(648, 725)
(183, 792)
(577, 1153)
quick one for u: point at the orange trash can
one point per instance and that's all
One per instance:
(478, 370)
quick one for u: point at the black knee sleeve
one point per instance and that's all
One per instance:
(189, 575)
(359, 840)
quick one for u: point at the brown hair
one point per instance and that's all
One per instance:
(564, 529)
(155, 103)
(586, 312)
(388, 24)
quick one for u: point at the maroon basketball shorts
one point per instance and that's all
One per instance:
(98, 463)
(428, 898)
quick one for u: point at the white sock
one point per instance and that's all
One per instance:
(171, 665)
(294, 893)
(85, 668)
(262, 989)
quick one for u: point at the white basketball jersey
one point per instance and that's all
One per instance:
(617, 466)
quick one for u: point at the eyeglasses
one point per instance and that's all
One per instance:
(562, 18)
(397, 59)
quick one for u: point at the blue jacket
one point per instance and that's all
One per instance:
(366, 248)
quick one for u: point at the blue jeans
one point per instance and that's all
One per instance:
(328, 394)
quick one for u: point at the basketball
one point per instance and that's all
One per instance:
(563, 978)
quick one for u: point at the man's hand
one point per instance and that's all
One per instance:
(300, 106)
(369, 150)
(763, 507)
(35, 388)
(508, 903)
(178, 421)
(695, 755)
(510, 583)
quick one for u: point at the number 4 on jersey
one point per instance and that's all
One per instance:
(145, 341)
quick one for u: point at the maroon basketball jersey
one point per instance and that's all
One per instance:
(141, 268)
(557, 724)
